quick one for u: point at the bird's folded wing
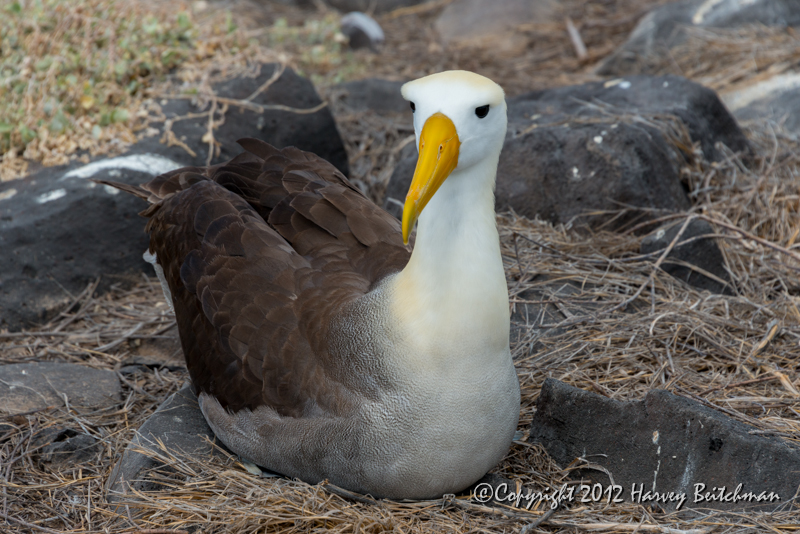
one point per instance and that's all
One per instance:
(260, 254)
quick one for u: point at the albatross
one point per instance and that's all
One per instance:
(319, 346)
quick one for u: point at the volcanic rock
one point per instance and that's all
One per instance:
(665, 27)
(280, 126)
(26, 387)
(64, 448)
(638, 100)
(696, 258)
(586, 174)
(487, 22)
(668, 445)
(179, 425)
(60, 231)
(374, 94)
(776, 100)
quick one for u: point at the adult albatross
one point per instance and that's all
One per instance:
(319, 346)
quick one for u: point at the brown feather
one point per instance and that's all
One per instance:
(260, 254)
(134, 190)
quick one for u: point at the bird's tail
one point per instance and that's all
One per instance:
(134, 190)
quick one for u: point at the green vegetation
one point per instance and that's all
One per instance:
(78, 68)
(318, 48)
(83, 76)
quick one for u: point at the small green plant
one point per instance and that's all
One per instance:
(86, 75)
(74, 68)
(318, 47)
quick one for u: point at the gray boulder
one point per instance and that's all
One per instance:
(487, 22)
(695, 259)
(374, 94)
(315, 132)
(666, 450)
(379, 6)
(179, 425)
(637, 99)
(594, 175)
(64, 448)
(28, 387)
(776, 100)
(665, 27)
(60, 231)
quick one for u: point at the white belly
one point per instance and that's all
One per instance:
(410, 445)
(449, 437)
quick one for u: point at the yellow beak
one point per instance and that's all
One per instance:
(438, 156)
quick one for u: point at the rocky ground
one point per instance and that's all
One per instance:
(648, 201)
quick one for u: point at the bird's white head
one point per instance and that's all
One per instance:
(460, 121)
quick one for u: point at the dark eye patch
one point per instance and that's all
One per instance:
(482, 111)
(413, 107)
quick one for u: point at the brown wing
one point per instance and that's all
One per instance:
(259, 254)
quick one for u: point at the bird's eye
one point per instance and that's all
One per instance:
(482, 111)
(413, 107)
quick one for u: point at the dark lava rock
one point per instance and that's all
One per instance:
(376, 6)
(315, 132)
(492, 22)
(374, 94)
(397, 188)
(63, 449)
(381, 6)
(6, 430)
(362, 31)
(179, 425)
(584, 153)
(146, 364)
(549, 308)
(59, 231)
(665, 27)
(25, 387)
(666, 444)
(585, 174)
(698, 108)
(696, 258)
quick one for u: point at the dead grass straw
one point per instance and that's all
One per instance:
(736, 354)
(612, 323)
(728, 59)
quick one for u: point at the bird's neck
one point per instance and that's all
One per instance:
(452, 295)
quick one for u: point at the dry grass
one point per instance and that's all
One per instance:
(373, 142)
(79, 79)
(729, 59)
(736, 354)
(626, 328)
(541, 56)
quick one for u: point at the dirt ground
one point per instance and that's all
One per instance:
(736, 354)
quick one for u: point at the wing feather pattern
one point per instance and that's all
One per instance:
(260, 253)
